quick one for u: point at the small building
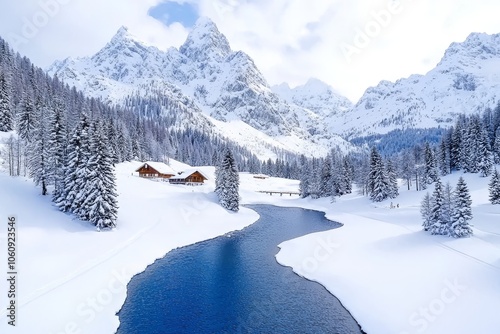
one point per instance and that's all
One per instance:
(260, 176)
(190, 177)
(153, 170)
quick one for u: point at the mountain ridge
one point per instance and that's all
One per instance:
(225, 85)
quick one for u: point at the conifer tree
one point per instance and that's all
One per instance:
(377, 179)
(347, 176)
(57, 147)
(392, 180)
(304, 177)
(430, 165)
(447, 208)
(460, 226)
(325, 189)
(438, 225)
(496, 147)
(485, 163)
(444, 156)
(229, 181)
(6, 123)
(426, 211)
(74, 161)
(38, 163)
(100, 205)
(83, 172)
(27, 121)
(494, 188)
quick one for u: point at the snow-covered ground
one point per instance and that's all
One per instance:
(395, 278)
(73, 279)
(390, 275)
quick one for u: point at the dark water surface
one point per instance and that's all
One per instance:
(233, 284)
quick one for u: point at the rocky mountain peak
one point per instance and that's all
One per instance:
(205, 42)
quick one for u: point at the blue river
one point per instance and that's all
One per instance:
(233, 284)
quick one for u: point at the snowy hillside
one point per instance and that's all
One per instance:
(466, 80)
(212, 81)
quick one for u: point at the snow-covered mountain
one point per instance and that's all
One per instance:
(466, 80)
(320, 98)
(216, 87)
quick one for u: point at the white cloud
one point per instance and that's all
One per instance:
(79, 27)
(290, 40)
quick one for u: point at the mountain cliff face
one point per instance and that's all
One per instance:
(466, 80)
(217, 85)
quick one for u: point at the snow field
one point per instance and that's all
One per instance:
(395, 278)
(392, 276)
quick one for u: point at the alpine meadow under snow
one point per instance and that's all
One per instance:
(411, 171)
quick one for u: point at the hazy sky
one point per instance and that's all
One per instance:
(350, 44)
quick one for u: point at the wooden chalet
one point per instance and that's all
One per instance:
(260, 176)
(153, 170)
(191, 177)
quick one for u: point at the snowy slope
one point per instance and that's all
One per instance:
(466, 80)
(224, 84)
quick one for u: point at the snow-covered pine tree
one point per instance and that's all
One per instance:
(114, 146)
(457, 137)
(494, 187)
(377, 179)
(57, 147)
(26, 120)
(496, 147)
(325, 188)
(83, 172)
(229, 182)
(75, 159)
(444, 155)
(425, 211)
(447, 208)
(6, 115)
(485, 163)
(392, 180)
(315, 178)
(430, 165)
(38, 163)
(100, 203)
(304, 177)
(407, 166)
(346, 176)
(460, 226)
(471, 144)
(438, 226)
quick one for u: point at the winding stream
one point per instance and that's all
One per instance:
(233, 284)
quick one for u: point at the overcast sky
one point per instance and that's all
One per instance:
(350, 44)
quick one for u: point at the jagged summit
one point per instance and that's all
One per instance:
(477, 46)
(205, 42)
(123, 35)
